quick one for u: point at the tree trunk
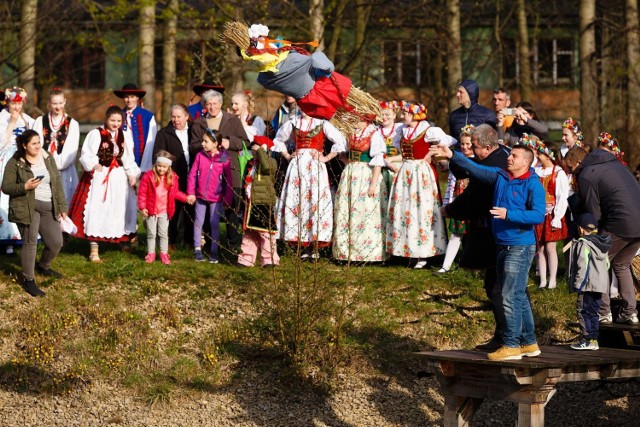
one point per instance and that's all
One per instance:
(337, 30)
(454, 56)
(363, 11)
(316, 21)
(589, 106)
(27, 58)
(632, 145)
(524, 56)
(169, 56)
(146, 66)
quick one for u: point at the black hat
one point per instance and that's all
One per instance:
(587, 221)
(130, 89)
(207, 85)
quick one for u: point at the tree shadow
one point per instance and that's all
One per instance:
(30, 379)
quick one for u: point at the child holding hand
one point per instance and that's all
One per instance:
(156, 200)
(588, 276)
(260, 220)
(210, 182)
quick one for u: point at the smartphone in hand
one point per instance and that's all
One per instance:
(39, 178)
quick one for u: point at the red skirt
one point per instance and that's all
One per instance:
(545, 233)
(76, 211)
(327, 96)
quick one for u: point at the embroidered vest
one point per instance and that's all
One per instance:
(60, 136)
(314, 138)
(196, 111)
(359, 148)
(140, 120)
(415, 148)
(106, 149)
(549, 184)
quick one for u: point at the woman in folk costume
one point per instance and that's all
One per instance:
(456, 187)
(554, 228)
(361, 199)
(101, 205)
(415, 227)
(305, 207)
(60, 136)
(13, 122)
(391, 133)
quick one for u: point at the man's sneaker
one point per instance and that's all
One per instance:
(506, 353)
(631, 319)
(492, 345)
(198, 256)
(150, 258)
(585, 344)
(531, 350)
(213, 261)
(605, 319)
(164, 258)
(32, 289)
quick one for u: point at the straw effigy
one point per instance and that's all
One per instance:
(358, 103)
(635, 268)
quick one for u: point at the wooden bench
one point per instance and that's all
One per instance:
(467, 377)
(620, 335)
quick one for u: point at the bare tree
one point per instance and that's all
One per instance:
(338, 23)
(589, 111)
(316, 21)
(526, 85)
(146, 65)
(169, 32)
(363, 12)
(633, 88)
(27, 57)
(454, 57)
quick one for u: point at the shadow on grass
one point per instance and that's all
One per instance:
(29, 379)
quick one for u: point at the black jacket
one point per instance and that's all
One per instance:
(475, 115)
(166, 139)
(479, 249)
(610, 192)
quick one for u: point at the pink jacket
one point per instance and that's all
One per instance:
(210, 178)
(147, 194)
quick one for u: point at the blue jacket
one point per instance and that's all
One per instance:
(523, 197)
(475, 115)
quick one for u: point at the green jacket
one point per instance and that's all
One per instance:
(22, 203)
(263, 190)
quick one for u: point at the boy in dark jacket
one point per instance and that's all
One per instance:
(589, 277)
(469, 112)
(259, 221)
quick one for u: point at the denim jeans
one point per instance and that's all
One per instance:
(513, 266)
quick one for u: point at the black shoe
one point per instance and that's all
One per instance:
(48, 272)
(491, 345)
(33, 289)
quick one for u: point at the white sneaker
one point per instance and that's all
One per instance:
(605, 319)
(631, 319)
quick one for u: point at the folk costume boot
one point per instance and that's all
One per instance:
(94, 255)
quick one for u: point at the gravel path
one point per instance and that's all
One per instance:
(400, 399)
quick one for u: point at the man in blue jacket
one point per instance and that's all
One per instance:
(518, 205)
(470, 112)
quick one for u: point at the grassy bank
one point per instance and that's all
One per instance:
(165, 330)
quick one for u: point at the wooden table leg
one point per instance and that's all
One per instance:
(531, 414)
(459, 410)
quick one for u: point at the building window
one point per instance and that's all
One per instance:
(406, 63)
(552, 62)
(72, 65)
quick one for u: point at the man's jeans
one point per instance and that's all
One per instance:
(513, 266)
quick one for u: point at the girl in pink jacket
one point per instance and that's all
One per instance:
(210, 181)
(156, 200)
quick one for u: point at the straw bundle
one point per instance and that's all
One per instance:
(235, 34)
(345, 122)
(362, 102)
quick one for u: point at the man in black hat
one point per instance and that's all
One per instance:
(198, 109)
(139, 123)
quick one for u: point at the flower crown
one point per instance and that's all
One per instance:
(605, 139)
(418, 111)
(541, 148)
(525, 139)
(573, 125)
(15, 94)
(389, 105)
(467, 130)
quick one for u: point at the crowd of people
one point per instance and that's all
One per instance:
(510, 196)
